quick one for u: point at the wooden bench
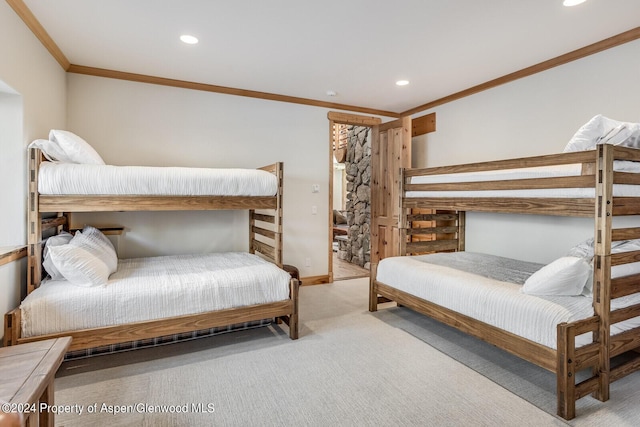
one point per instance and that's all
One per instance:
(28, 373)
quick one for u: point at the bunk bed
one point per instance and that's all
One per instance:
(51, 205)
(577, 330)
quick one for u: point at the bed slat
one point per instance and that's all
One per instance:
(625, 233)
(525, 162)
(549, 206)
(625, 369)
(625, 313)
(151, 203)
(623, 286)
(431, 246)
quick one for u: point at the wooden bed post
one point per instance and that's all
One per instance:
(293, 317)
(278, 224)
(602, 264)
(34, 228)
(462, 215)
(565, 371)
(403, 223)
(373, 293)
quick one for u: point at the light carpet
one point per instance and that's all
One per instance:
(349, 367)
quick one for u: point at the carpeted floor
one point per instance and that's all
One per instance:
(349, 367)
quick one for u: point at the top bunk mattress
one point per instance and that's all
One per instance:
(488, 288)
(88, 179)
(153, 288)
(557, 171)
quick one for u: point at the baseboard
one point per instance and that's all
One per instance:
(314, 280)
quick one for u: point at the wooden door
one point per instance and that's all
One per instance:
(390, 151)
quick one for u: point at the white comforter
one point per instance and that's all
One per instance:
(494, 302)
(619, 190)
(70, 178)
(152, 288)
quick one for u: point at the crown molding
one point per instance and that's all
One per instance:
(38, 30)
(591, 49)
(143, 78)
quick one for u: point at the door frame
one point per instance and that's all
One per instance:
(341, 119)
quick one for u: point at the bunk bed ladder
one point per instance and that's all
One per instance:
(273, 250)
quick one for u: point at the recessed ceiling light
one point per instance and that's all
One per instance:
(572, 2)
(402, 82)
(332, 93)
(188, 39)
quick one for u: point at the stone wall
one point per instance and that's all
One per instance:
(356, 247)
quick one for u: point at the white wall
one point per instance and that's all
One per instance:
(532, 116)
(34, 93)
(142, 124)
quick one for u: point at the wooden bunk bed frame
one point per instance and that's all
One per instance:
(263, 212)
(445, 231)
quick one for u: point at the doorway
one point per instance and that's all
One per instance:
(349, 195)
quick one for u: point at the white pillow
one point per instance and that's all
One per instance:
(602, 130)
(78, 266)
(564, 276)
(585, 250)
(93, 241)
(87, 260)
(59, 239)
(73, 149)
(50, 149)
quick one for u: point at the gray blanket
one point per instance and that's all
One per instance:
(491, 266)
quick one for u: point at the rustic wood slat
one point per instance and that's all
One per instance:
(519, 163)
(625, 233)
(265, 249)
(431, 230)
(264, 232)
(14, 254)
(49, 223)
(624, 342)
(586, 356)
(626, 206)
(626, 178)
(549, 206)
(625, 369)
(625, 257)
(151, 203)
(264, 218)
(625, 313)
(431, 246)
(586, 387)
(626, 285)
(432, 217)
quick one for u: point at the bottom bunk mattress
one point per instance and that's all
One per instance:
(153, 288)
(488, 288)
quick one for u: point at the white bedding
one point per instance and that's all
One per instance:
(619, 190)
(73, 179)
(494, 302)
(152, 288)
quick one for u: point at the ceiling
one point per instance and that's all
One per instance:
(357, 48)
